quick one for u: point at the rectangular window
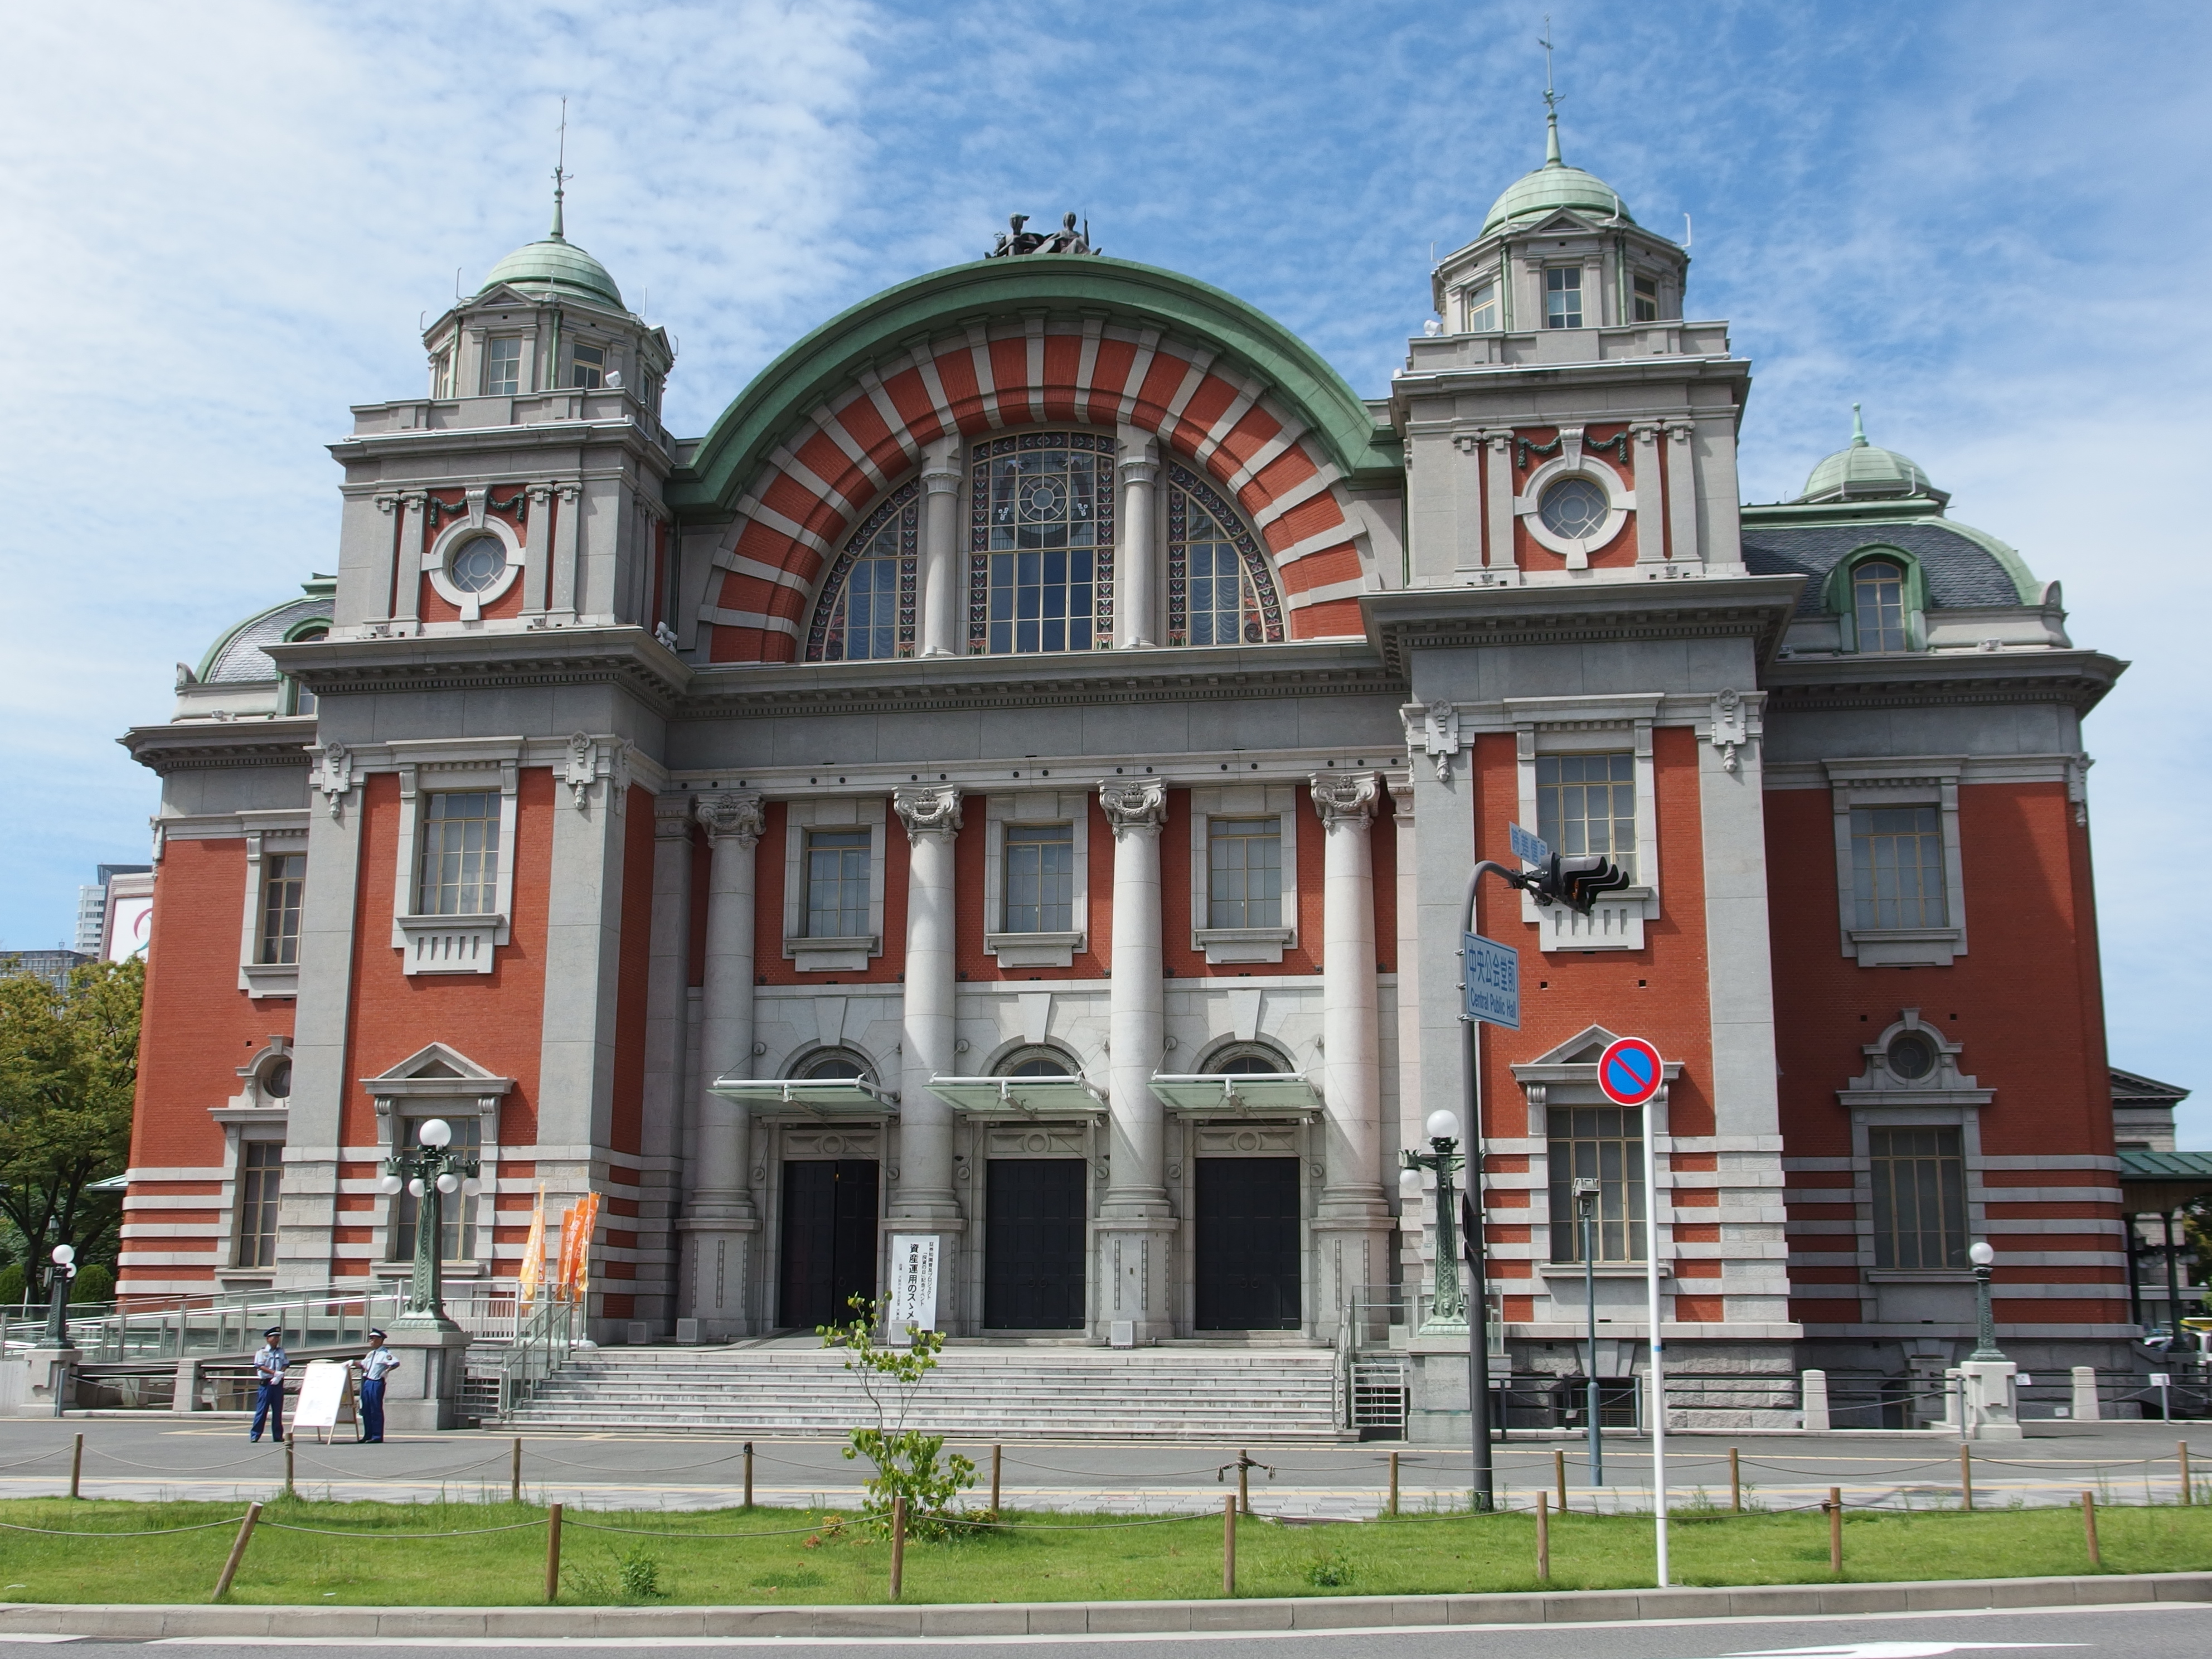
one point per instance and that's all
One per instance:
(587, 367)
(1897, 867)
(457, 1211)
(1482, 307)
(260, 1187)
(1586, 803)
(502, 374)
(1040, 877)
(1647, 299)
(1563, 296)
(459, 867)
(1244, 873)
(1919, 1198)
(837, 883)
(1604, 1144)
(286, 880)
(441, 375)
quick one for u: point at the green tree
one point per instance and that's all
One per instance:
(68, 1069)
(906, 1460)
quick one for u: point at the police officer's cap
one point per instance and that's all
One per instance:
(379, 1335)
(273, 1333)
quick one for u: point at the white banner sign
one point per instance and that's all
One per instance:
(914, 1284)
(322, 1396)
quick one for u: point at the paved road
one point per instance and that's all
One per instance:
(2166, 1631)
(157, 1455)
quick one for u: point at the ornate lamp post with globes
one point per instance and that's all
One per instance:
(425, 1389)
(1458, 1306)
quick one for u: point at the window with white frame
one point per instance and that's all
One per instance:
(1604, 1144)
(1920, 1184)
(458, 867)
(1244, 873)
(837, 886)
(260, 1195)
(1586, 804)
(1040, 878)
(1646, 299)
(1482, 307)
(457, 1211)
(502, 367)
(1897, 867)
(1563, 296)
(1878, 608)
(283, 886)
(587, 367)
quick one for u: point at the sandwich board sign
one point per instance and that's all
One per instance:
(324, 1401)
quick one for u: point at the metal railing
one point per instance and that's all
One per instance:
(543, 1343)
(226, 1323)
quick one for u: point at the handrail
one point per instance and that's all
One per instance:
(545, 1340)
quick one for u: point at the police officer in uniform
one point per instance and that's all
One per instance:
(270, 1365)
(379, 1363)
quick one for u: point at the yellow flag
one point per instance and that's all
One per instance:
(533, 1253)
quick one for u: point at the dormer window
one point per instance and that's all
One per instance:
(502, 372)
(587, 366)
(1878, 606)
(441, 375)
(1646, 299)
(1482, 307)
(1563, 296)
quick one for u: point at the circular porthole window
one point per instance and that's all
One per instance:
(277, 1081)
(477, 564)
(1912, 1056)
(1574, 508)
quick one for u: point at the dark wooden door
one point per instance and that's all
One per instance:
(1247, 1244)
(1033, 1252)
(828, 1240)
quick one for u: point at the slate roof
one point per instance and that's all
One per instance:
(238, 658)
(1960, 570)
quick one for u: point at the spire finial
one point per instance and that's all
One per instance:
(1858, 429)
(1551, 101)
(561, 174)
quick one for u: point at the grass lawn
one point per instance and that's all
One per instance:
(1048, 1557)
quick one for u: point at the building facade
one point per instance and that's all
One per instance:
(1013, 779)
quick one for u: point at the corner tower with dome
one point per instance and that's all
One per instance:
(1000, 799)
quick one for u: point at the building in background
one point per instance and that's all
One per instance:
(1011, 782)
(92, 906)
(52, 966)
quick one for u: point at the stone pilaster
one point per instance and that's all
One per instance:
(1135, 1229)
(923, 1200)
(667, 996)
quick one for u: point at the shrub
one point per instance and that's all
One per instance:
(11, 1284)
(94, 1283)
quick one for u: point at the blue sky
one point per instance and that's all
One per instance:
(1988, 221)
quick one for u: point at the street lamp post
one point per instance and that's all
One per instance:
(64, 1270)
(1454, 1302)
(1586, 1198)
(432, 1172)
(1986, 1351)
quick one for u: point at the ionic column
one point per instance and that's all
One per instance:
(942, 587)
(1134, 1228)
(719, 1214)
(1136, 573)
(932, 818)
(1351, 1225)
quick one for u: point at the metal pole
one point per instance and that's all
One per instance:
(1658, 1341)
(2173, 1288)
(1478, 1292)
(2135, 1273)
(1589, 1298)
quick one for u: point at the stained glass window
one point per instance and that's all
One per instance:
(1040, 553)
(1220, 591)
(867, 611)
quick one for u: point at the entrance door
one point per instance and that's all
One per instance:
(1247, 1244)
(1033, 1255)
(829, 1239)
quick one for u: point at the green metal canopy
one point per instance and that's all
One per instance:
(2153, 1183)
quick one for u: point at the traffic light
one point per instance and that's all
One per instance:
(1576, 882)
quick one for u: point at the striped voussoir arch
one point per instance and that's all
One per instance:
(822, 478)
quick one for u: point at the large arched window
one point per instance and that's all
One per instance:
(1219, 589)
(1040, 543)
(866, 611)
(1878, 609)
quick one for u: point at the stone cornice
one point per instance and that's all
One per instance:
(201, 745)
(623, 656)
(2079, 680)
(1407, 620)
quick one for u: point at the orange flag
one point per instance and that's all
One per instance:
(564, 1280)
(532, 1275)
(585, 1227)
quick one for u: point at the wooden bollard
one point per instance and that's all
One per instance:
(1543, 1537)
(237, 1550)
(1243, 1481)
(1966, 1476)
(2188, 1496)
(552, 1552)
(1229, 1546)
(1394, 1483)
(898, 1544)
(1559, 1476)
(748, 1475)
(1835, 1509)
(1736, 1484)
(997, 1459)
(76, 1468)
(2089, 1527)
(514, 1473)
(289, 1493)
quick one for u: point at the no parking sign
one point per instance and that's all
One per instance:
(1630, 1072)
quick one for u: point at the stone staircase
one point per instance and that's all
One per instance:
(1044, 1393)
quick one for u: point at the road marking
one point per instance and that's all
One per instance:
(1894, 1649)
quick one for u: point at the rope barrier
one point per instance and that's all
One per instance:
(156, 1532)
(643, 1532)
(412, 1474)
(172, 1469)
(41, 1458)
(379, 1537)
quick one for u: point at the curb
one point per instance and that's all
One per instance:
(149, 1622)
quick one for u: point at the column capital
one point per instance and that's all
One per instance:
(671, 817)
(732, 814)
(1140, 804)
(927, 810)
(1341, 799)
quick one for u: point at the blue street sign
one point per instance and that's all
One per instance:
(1529, 849)
(1490, 975)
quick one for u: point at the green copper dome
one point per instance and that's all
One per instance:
(1554, 184)
(558, 264)
(1864, 472)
